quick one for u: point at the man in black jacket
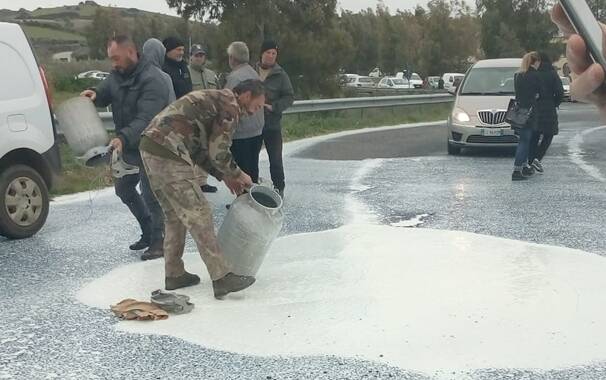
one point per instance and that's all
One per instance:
(176, 67)
(136, 94)
(279, 95)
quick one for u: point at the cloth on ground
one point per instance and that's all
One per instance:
(171, 302)
(131, 309)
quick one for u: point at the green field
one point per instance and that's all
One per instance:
(83, 11)
(42, 33)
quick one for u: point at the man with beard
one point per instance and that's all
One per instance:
(136, 93)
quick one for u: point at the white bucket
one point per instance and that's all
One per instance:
(252, 224)
(83, 130)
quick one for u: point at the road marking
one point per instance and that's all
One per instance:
(576, 153)
(359, 212)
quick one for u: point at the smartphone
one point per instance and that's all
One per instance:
(587, 26)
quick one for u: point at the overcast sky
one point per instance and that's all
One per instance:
(161, 7)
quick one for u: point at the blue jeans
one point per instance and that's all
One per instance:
(523, 149)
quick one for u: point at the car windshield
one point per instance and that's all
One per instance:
(399, 81)
(351, 79)
(365, 80)
(565, 81)
(489, 81)
(415, 77)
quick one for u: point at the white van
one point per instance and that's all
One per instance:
(478, 114)
(451, 80)
(29, 157)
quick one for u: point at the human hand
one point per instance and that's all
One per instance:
(239, 184)
(89, 94)
(116, 144)
(588, 77)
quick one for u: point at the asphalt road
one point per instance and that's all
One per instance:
(48, 333)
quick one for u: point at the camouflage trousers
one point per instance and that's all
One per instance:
(177, 188)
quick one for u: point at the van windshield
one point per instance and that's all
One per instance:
(489, 81)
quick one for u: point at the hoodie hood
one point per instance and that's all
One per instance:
(154, 51)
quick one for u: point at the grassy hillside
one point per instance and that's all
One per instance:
(51, 34)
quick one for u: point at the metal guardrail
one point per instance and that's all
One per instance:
(340, 104)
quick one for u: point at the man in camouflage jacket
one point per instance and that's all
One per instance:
(197, 130)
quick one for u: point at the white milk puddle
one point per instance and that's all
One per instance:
(419, 299)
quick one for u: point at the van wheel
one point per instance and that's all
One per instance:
(454, 150)
(24, 202)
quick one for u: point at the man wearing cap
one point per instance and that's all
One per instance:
(279, 96)
(202, 78)
(176, 67)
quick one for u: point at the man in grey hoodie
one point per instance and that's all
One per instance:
(154, 51)
(248, 136)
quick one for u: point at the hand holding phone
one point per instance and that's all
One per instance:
(584, 50)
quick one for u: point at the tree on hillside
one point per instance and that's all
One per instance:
(106, 23)
(365, 54)
(312, 62)
(512, 27)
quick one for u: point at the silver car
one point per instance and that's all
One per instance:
(478, 115)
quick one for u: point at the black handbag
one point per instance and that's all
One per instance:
(517, 116)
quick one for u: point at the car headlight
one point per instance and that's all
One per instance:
(461, 116)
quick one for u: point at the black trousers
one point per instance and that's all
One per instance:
(273, 144)
(144, 207)
(246, 154)
(539, 145)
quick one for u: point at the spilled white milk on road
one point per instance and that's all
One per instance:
(420, 299)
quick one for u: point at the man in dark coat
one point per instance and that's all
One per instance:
(550, 98)
(137, 94)
(176, 67)
(279, 96)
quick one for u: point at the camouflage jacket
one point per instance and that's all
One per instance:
(197, 129)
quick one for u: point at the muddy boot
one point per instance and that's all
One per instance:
(155, 251)
(209, 189)
(231, 283)
(183, 281)
(141, 244)
(145, 240)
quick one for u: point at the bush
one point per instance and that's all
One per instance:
(71, 84)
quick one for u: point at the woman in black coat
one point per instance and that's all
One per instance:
(527, 89)
(551, 96)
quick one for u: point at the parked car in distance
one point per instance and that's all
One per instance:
(93, 74)
(361, 81)
(29, 154)
(450, 80)
(99, 75)
(395, 83)
(433, 82)
(415, 79)
(86, 74)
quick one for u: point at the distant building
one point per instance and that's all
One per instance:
(64, 56)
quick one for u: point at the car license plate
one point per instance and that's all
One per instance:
(492, 132)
